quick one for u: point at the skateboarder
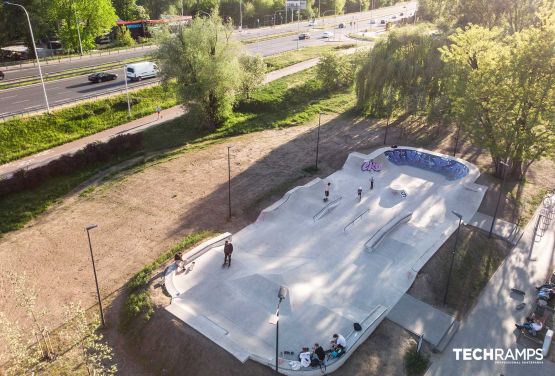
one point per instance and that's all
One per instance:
(327, 192)
(371, 183)
(359, 192)
(228, 250)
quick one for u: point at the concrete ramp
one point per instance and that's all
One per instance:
(422, 319)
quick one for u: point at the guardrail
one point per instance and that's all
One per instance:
(41, 108)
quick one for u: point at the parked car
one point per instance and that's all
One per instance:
(327, 34)
(139, 71)
(341, 25)
(304, 36)
(401, 14)
(393, 17)
(102, 76)
(1, 75)
(372, 22)
(312, 23)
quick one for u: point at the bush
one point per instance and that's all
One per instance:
(415, 363)
(123, 38)
(335, 71)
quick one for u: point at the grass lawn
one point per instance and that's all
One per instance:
(285, 102)
(288, 58)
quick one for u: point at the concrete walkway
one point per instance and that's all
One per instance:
(491, 324)
(503, 229)
(46, 156)
(421, 319)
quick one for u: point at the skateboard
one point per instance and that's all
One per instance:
(517, 291)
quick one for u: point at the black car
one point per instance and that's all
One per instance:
(382, 22)
(304, 36)
(102, 76)
(341, 25)
(1, 75)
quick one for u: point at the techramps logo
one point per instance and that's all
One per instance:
(500, 356)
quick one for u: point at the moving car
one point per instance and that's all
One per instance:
(394, 17)
(401, 14)
(304, 36)
(144, 69)
(372, 22)
(327, 34)
(382, 22)
(312, 23)
(1, 75)
(341, 25)
(102, 76)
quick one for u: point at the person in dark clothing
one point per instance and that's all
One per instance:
(228, 250)
(371, 183)
(318, 352)
(359, 193)
(178, 258)
(327, 192)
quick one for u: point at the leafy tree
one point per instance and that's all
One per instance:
(95, 354)
(123, 37)
(23, 357)
(129, 10)
(204, 60)
(335, 71)
(254, 70)
(502, 90)
(403, 72)
(155, 8)
(93, 17)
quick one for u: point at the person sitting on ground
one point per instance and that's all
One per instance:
(178, 258)
(339, 342)
(318, 352)
(533, 326)
(305, 358)
(546, 293)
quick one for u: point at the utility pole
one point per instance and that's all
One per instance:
(127, 90)
(318, 139)
(240, 15)
(35, 50)
(229, 181)
(88, 228)
(78, 31)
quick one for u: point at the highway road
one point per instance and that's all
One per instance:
(30, 98)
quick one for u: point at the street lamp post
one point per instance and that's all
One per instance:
(240, 15)
(386, 128)
(452, 257)
(318, 140)
(78, 31)
(498, 197)
(229, 181)
(35, 50)
(88, 228)
(457, 140)
(127, 91)
(282, 294)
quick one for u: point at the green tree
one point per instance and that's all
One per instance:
(335, 71)
(403, 72)
(129, 10)
(93, 17)
(254, 70)
(204, 59)
(502, 90)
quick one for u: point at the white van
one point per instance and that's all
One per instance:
(144, 69)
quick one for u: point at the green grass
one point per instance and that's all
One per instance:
(288, 58)
(268, 37)
(24, 136)
(289, 101)
(138, 301)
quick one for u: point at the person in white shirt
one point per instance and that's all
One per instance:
(339, 341)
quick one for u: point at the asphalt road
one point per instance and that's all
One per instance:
(30, 98)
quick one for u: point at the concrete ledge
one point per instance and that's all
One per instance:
(389, 227)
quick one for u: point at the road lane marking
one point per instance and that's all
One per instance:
(11, 96)
(25, 100)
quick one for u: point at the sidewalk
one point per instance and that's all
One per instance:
(137, 125)
(491, 324)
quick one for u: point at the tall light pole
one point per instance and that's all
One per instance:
(498, 197)
(282, 294)
(452, 257)
(318, 140)
(88, 228)
(35, 50)
(240, 15)
(229, 182)
(457, 140)
(77, 27)
(127, 90)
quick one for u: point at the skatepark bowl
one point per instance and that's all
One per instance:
(344, 261)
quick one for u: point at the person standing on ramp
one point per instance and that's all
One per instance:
(371, 183)
(359, 192)
(228, 250)
(327, 192)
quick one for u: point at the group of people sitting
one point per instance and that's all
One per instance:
(546, 291)
(533, 325)
(317, 356)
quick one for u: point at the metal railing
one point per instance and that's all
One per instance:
(316, 216)
(354, 220)
(42, 108)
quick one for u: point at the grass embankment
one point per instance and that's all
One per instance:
(263, 38)
(288, 58)
(285, 102)
(25, 136)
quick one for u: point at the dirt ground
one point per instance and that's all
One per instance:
(143, 213)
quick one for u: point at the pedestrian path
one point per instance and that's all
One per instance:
(503, 229)
(422, 319)
(46, 156)
(491, 323)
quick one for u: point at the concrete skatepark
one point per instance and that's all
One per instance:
(343, 261)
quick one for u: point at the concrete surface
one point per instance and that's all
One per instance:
(503, 229)
(333, 280)
(421, 319)
(491, 323)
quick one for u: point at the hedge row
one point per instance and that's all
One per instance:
(93, 153)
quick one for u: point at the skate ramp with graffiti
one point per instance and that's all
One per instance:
(344, 261)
